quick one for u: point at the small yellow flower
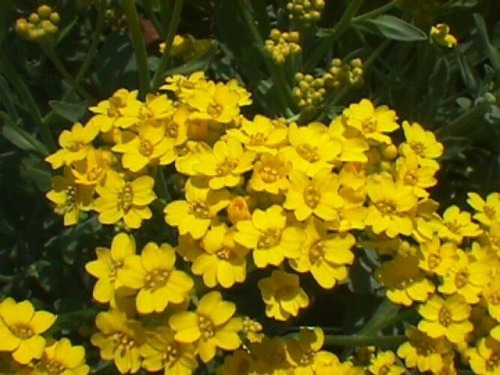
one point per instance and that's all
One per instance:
(183, 86)
(162, 351)
(154, 276)
(311, 148)
(302, 353)
(61, 358)
(353, 145)
(198, 211)
(75, 143)
(93, 169)
(421, 142)
(282, 295)
(210, 327)
(148, 147)
(385, 364)
(484, 357)
(270, 356)
(318, 196)
(20, 330)
(238, 210)
(119, 339)
(410, 173)
(440, 34)
(270, 173)
(107, 265)
(268, 235)
(325, 255)
(448, 317)
(239, 362)
(120, 199)
(69, 197)
(371, 122)
(491, 294)
(437, 257)
(226, 163)
(457, 224)
(252, 330)
(223, 261)
(486, 211)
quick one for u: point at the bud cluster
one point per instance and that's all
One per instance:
(39, 25)
(305, 11)
(281, 45)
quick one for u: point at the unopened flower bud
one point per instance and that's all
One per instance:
(238, 210)
(44, 11)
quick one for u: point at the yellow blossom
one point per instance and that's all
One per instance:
(183, 86)
(198, 211)
(484, 357)
(21, 328)
(457, 224)
(270, 173)
(421, 142)
(437, 257)
(238, 210)
(446, 317)
(270, 356)
(252, 330)
(410, 173)
(92, 170)
(385, 364)
(282, 295)
(440, 34)
(239, 362)
(491, 294)
(268, 235)
(107, 265)
(210, 327)
(303, 352)
(61, 358)
(486, 211)
(353, 146)
(120, 199)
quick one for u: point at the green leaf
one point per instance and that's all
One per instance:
(490, 50)
(199, 63)
(69, 111)
(21, 138)
(393, 28)
(466, 71)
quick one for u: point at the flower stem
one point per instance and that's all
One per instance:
(165, 58)
(138, 44)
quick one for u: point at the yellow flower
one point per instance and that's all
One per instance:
(260, 135)
(154, 275)
(318, 196)
(484, 357)
(20, 329)
(390, 208)
(211, 326)
(404, 281)
(157, 110)
(270, 173)
(238, 210)
(161, 351)
(61, 358)
(268, 235)
(198, 211)
(252, 330)
(120, 199)
(486, 211)
(93, 169)
(371, 122)
(183, 86)
(302, 353)
(121, 111)
(491, 294)
(410, 173)
(456, 225)
(385, 364)
(75, 143)
(437, 258)
(222, 261)
(239, 362)
(424, 352)
(225, 165)
(282, 295)
(324, 255)
(353, 145)
(147, 147)
(448, 317)
(440, 34)
(270, 356)
(119, 339)
(106, 267)
(69, 197)
(311, 148)
(421, 142)
(465, 277)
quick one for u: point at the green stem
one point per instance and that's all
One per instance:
(149, 12)
(376, 12)
(138, 44)
(329, 40)
(457, 126)
(49, 51)
(280, 84)
(25, 95)
(165, 58)
(161, 184)
(355, 340)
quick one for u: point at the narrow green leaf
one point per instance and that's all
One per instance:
(199, 63)
(69, 111)
(466, 72)
(22, 138)
(393, 28)
(490, 50)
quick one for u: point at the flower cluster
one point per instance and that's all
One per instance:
(282, 44)
(305, 12)
(40, 24)
(26, 351)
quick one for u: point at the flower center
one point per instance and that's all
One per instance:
(492, 361)
(70, 201)
(95, 173)
(52, 368)
(126, 197)
(411, 178)
(269, 174)
(122, 341)
(146, 148)
(307, 152)
(156, 279)
(434, 260)
(489, 211)
(115, 266)
(493, 298)
(307, 358)
(384, 370)
(199, 209)
(385, 207)
(286, 292)
(227, 166)
(76, 146)
(214, 109)
(311, 197)
(224, 253)
(172, 129)
(317, 251)
(206, 327)
(369, 126)
(171, 353)
(257, 139)
(418, 147)
(461, 279)
(269, 239)
(444, 317)
(22, 331)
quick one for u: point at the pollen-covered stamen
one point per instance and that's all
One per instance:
(146, 148)
(122, 341)
(418, 147)
(156, 279)
(384, 370)
(207, 327)
(434, 260)
(369, 126)
(172, 129)
(461, 279)
(199, 209)
(214, 109)
(269, 239)
(493, 297)
(493, 361)
(95, 173)
(385, 207)
(269, 174)
(307, 358)
(489, 211)
(227, 166)
(115, 266)
(22, 331)
(317, 251)
(76, 146)
(115, 104)
(171, 353)
(444, 317)
(307, 152)
(411, 178)
(257, 139)
(126, 197)
(224, 253)
(71, 193)
(311, 196)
